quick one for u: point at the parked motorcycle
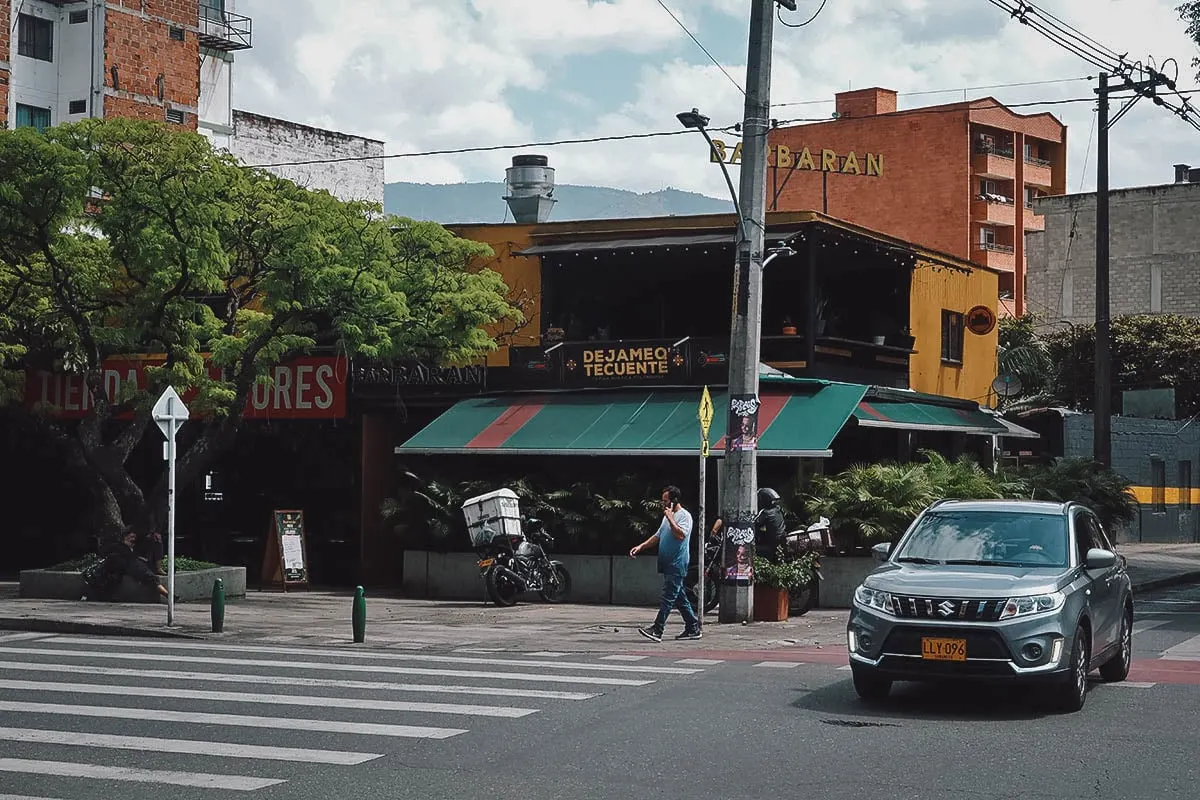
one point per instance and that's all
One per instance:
(712, 576)
(512, 564)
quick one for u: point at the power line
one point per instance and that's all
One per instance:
(958, 107)
(952, 91)
(701, 46)
(809, 21)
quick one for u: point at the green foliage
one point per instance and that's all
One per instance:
(126, 237)
(182, 564)
(790, 572)
(1023, 354)
(880, 501)
(1189, 12)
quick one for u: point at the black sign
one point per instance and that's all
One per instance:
(646, 362)
(417, 374)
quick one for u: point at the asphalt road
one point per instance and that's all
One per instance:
(106, 718)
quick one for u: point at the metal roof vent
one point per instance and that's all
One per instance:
(530, 185)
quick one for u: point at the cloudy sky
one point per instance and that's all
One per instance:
(439, 74)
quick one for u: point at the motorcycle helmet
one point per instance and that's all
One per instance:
(767, 497)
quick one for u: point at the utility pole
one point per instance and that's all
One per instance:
(1102, 408)
(741, 484)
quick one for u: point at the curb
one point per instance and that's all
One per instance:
(1163, 583)
(88, 628)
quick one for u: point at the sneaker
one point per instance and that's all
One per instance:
(696, 634)
(651, 634)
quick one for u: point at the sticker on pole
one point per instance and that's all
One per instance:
(169, 412)
(706, 418)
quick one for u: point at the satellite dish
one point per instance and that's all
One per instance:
(1007, 386)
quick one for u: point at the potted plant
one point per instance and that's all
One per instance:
(789, 327)
(774, 579)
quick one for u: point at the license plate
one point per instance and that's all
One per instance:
(487, 562)
(944, 649)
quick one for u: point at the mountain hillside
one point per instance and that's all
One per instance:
(484, 202)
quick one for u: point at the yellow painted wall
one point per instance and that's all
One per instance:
(522, 275)
(935, 288)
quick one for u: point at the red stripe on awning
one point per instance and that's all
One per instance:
(508, 423)
(768, 410)
(867, 407)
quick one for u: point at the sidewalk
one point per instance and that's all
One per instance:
(323, 618)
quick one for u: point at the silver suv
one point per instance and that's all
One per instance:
(995, 590)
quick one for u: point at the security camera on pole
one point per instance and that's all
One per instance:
(170, 413)
(741, 436)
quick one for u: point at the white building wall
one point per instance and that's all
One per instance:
(72, 74)
(260, 140)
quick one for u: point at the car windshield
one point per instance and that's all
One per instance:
(988, 537)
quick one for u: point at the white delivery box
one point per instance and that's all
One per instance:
(492, 513)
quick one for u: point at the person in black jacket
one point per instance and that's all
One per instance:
(121, 558)
(770, 528)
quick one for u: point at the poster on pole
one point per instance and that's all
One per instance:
(743, 422)
(285, 564)
(739, 553)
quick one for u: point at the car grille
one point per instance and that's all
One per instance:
(918, 668)
(906, 641)
(970, 610)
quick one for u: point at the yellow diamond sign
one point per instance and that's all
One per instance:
(706, 416)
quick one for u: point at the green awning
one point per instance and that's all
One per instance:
(922, 416)
(799, 422)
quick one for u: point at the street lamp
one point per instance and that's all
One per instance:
(695, 120)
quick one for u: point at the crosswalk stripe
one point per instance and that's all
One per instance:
(316, 701)
(328, 666)
(236, 720)
(17, 637)
(234, 783)
(1187, 650)
(1146, 625)
(624, 658)
(25, 797)
(222, 677)
(377, 656)
(700, 662)
(777, 664)
(159, 744)
(548, 654)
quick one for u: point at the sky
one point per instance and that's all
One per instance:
(442, 74)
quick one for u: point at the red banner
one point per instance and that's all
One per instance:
(311, 387)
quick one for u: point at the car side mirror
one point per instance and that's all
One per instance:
(1098, 558)
(880, 551)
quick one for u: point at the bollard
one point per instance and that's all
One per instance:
(359, 617)
(218, 606)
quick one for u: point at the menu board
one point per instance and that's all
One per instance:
(284, 564)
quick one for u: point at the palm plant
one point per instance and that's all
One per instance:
(1087, 482)
(877, 500)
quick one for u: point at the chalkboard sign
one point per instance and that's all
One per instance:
(285, 564)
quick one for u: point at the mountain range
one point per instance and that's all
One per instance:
(484, 202)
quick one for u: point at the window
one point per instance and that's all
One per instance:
(952, 336)
(965, 537)
(1185, 485)
(1085, 536)
(35, 37)
(77, 107)
(76, 17)
(33, 117)
(212, 9)
(175, 33)
(175, 116)
(1158, 485)
(987, 236)
(987, 187)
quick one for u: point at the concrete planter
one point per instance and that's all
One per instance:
(843, 574)
(189, 586)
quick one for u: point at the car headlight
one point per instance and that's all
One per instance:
(874, 599)
(1032, 604)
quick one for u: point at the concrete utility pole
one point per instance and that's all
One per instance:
(1102, 418)
(741, 485)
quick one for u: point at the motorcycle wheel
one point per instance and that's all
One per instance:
(502, 591)
(712, 596)
(559, 593)
(800, 602)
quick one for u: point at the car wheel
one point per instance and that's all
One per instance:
(870, 687)
(1116, 669)
(1071, 692)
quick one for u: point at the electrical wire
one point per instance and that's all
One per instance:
(952, 91)
(699, 44)
(809, 21)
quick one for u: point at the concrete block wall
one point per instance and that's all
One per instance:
(5, 59)
(1152, 229)
(259, 139)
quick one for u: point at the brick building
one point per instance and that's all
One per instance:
(941, 176)
(1154, 252)
(167, 60)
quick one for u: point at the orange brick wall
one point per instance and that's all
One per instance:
(922, 195)
(138, 44)
(5, 56)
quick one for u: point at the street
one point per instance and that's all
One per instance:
(84, 717)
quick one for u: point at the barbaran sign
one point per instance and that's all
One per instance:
(825, 160)
(311, 387)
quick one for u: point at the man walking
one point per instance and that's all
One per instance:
(674, 554)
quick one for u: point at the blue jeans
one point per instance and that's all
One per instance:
(673, 596)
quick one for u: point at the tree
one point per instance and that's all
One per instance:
(1023, 354)
(128, 237)
(1189, 12)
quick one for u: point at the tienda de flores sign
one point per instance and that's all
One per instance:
(312, 387)
(824, 160)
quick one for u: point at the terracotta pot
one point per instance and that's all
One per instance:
(770, 604)
(789, 330)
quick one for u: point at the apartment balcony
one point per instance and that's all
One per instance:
(1033, 222)
(1039, 173)
(997, 256)
(993, 165)
(222, 30)
(995, 210)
